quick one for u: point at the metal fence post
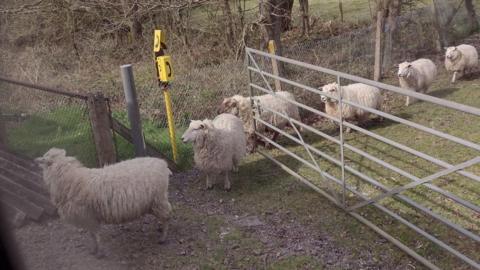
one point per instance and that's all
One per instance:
(342, 160)
(101, 129)
(133, 111)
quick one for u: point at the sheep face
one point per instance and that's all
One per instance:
(49, 157)
(196, 130)
(229, 105)
(452, 53)
(331, 89)
(404, 70)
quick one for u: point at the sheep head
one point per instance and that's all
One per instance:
(50, 157)
(332, 89)
(229, 105)
(405, 70)
(197, 131)
(452, 53)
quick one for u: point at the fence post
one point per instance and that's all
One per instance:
(3, 133)
(272, 50)
(133, 111)
(101, 129)
(377, 72)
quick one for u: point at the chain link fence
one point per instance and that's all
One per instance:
(36, 121)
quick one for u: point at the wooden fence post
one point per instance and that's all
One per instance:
(3, 132)
(273, 50)
(377, 70)
(101, 128)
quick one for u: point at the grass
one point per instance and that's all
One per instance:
(64, 127)
(446, 120)
(157, 136)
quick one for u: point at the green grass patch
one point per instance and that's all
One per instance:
(65, 127)
(446, 120)
(156, 135)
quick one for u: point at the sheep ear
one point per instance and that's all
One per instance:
(446, 48)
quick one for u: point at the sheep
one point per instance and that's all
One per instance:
(459, 59)
(358, 93)
(218, 146)
(242, 107)
(416, 76)
(113, 194)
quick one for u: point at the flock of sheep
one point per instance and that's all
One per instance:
(127, 190)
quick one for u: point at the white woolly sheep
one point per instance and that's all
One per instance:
(218, 146)
(358, 93)
(416, 76)
(113, 194)
(242, 107)
(460, 59)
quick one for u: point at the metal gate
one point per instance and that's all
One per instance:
(340, 189)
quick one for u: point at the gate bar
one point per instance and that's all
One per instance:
(371, 134)
(396, 169)
(385, 210)
(388, 116)
(454, 226)
(439, 101)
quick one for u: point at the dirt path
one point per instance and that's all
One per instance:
(207, 232)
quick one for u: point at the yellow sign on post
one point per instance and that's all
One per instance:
(165, 71)
(165, 75)
(158, 39)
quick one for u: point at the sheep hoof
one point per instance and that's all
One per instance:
(210, 187)
(228, 189)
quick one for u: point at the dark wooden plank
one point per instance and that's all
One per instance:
(125, 133)
(31, 210)
(12, 166)
(34, 185)
(34, 197)
(20, 159)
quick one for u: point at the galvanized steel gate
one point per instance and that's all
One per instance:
(262, 85)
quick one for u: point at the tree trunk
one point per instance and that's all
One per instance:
(305, 17)
(271, 21)
(227, 13)
(392, 12)
(440, 27)
(472, 16)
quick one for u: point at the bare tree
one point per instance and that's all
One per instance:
(472, 16)
(305, 17)
(271, 19)
(229, 29)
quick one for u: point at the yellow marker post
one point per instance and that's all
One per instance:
(165, 75)
(272, 50)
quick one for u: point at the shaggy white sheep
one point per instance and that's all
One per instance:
(218, 145)
(460, 59)
(358, 93)
(416, 76)
(242, 107)
(114, 194)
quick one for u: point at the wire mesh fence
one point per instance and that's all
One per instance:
(36, 121)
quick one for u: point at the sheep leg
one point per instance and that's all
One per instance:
(227, 184)
(454, 77)
(162, 210)
(410, 100)
(95, 248)
(209, 181)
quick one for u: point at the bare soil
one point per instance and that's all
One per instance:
(210, 230)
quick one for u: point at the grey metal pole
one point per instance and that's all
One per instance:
(133, 111)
